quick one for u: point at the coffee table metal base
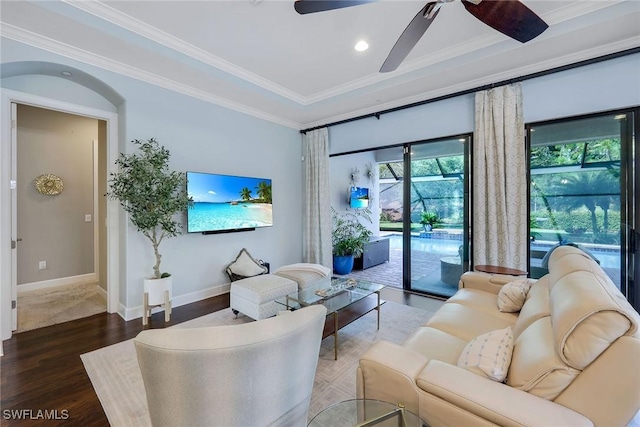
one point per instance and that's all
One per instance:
(365, 412)
(342, 318)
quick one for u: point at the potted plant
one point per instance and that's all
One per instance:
(151, 194)
(429, 220)
(348, 238)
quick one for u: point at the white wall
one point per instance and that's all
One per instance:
(340, 169)
(201, 137)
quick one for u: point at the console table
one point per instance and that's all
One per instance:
(376, 251)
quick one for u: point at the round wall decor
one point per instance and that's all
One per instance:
(49, 184)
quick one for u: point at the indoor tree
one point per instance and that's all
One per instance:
(150, 193)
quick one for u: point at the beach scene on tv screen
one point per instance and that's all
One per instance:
(225, 202)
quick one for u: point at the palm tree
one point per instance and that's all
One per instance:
(245, 193)
(588, 189)
(264, 191)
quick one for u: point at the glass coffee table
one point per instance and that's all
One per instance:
(363, 412)
(346, 300)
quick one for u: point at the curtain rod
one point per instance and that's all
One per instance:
(578, 64)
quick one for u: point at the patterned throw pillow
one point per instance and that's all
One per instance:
(512, 295)
(245, 266)
(489, 354)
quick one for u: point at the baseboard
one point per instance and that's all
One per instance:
(72, 280)
(176, 301)
(102, 292)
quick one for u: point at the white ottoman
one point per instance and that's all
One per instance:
(255, 296)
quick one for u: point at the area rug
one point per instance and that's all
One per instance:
(50, 306)
(116, 377)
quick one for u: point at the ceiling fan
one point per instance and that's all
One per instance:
(510, 17)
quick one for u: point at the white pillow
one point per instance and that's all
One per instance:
(512, 295)
(245, 265)
(489, 354)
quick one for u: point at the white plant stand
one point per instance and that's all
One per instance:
(157, 293)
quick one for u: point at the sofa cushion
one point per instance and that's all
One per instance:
(467, 322)
(512, 295)
(535, 365)
(489, 354)
(536, 305)
(481, 300)
(435, 344)
(588, 314)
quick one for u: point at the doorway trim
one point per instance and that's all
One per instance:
(8, 289)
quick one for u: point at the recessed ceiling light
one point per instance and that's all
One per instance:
(361, 46)
(462, 139)
(66, 73)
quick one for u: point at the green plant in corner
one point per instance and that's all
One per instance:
(150, 193)
(349, 235)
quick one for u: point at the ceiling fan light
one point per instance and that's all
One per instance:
(361, 46)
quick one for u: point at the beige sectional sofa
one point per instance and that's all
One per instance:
(575, 358)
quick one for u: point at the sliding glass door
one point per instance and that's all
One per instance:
(424, 208)
(582, 192)
(436, 205)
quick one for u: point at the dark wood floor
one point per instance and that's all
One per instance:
(41, 369)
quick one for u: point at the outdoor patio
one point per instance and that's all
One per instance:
(426, 270)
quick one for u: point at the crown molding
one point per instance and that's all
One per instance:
(576, 57)
(133, 25)
(45, 43)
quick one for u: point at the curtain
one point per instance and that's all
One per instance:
(317, 231)
(500, 179)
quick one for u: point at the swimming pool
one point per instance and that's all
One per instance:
(438, 246)
(609, 256)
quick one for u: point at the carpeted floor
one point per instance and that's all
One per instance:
(50, 306)
(116, 378)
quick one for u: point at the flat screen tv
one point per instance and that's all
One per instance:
(359, 197)
(224, 203)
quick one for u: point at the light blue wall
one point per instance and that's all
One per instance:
(597, 87)
(201, 137)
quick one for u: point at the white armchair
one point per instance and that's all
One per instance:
(254, 374)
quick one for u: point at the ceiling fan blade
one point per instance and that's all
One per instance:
(510, 17)
(312, 6)
(410, 36)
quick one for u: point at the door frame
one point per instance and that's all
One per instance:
(8, 287)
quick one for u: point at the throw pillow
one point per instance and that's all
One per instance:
(489, 354)
(512, 295)
(245, 265)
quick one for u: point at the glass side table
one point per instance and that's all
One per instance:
(365, 412)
